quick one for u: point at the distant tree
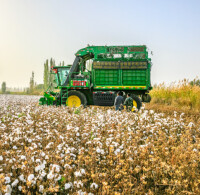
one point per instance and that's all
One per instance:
(51, 63)
(49, 79)
(46, 75)
(51, 76)
(39, 87)
(3, 87)
(32, 83)
(27, 90)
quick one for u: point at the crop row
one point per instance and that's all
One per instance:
(94, 150)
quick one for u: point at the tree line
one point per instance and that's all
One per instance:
(34, 88)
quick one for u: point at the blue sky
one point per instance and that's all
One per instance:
(33, 30)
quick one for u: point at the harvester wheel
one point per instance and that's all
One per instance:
(75, 99)
(136, 103)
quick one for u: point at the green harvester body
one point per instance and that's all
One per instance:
(99, 72)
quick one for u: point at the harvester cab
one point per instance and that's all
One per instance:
(60, 73)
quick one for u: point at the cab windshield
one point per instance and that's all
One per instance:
(62, 73)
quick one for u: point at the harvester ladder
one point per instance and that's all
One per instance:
(63, 96)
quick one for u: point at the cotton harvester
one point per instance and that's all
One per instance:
(98, 73)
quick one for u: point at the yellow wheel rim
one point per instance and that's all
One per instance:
(134, 106)
(73, 101)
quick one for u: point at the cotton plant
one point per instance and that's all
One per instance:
(48, 149)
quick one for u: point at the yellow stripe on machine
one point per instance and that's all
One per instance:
(123, 87)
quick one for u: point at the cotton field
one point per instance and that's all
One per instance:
(95, 150)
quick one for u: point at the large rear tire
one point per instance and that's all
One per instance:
(137, 103)
(76, 99)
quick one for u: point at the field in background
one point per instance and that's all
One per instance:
(95, 150)
(181, 96)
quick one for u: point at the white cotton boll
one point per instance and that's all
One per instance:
(102, 151)
(42, 175)
(8, 190)
(44, 162)
(23, 157)
(38, 161)
(94, 185)
(50, 175)
(58, 177)
(20, 188)
(181, 115)
(41, 188)
(15, 183)
(71, 154)
(136, 118)
(129, 129)
(191, 124)
(7, 180)
(46, 157)
(39, 167)
(98, 150)
(143, 146)
(1, 158)
(56, 168)
(68, 166)
(151, 111)
(15, 147)
(115, 144)
(89, 142)
(42, 154)
(31, 177)
(77, 174)
(21, 178)
(60, 146)
(68, 185)
(49, 145)
(29, 122)
(80, 192)
(82, 171)
(67, 151)
(10, 161)
(35, 145)
(117, 151)
(79, 184)
(130, 159)
(32, 158)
